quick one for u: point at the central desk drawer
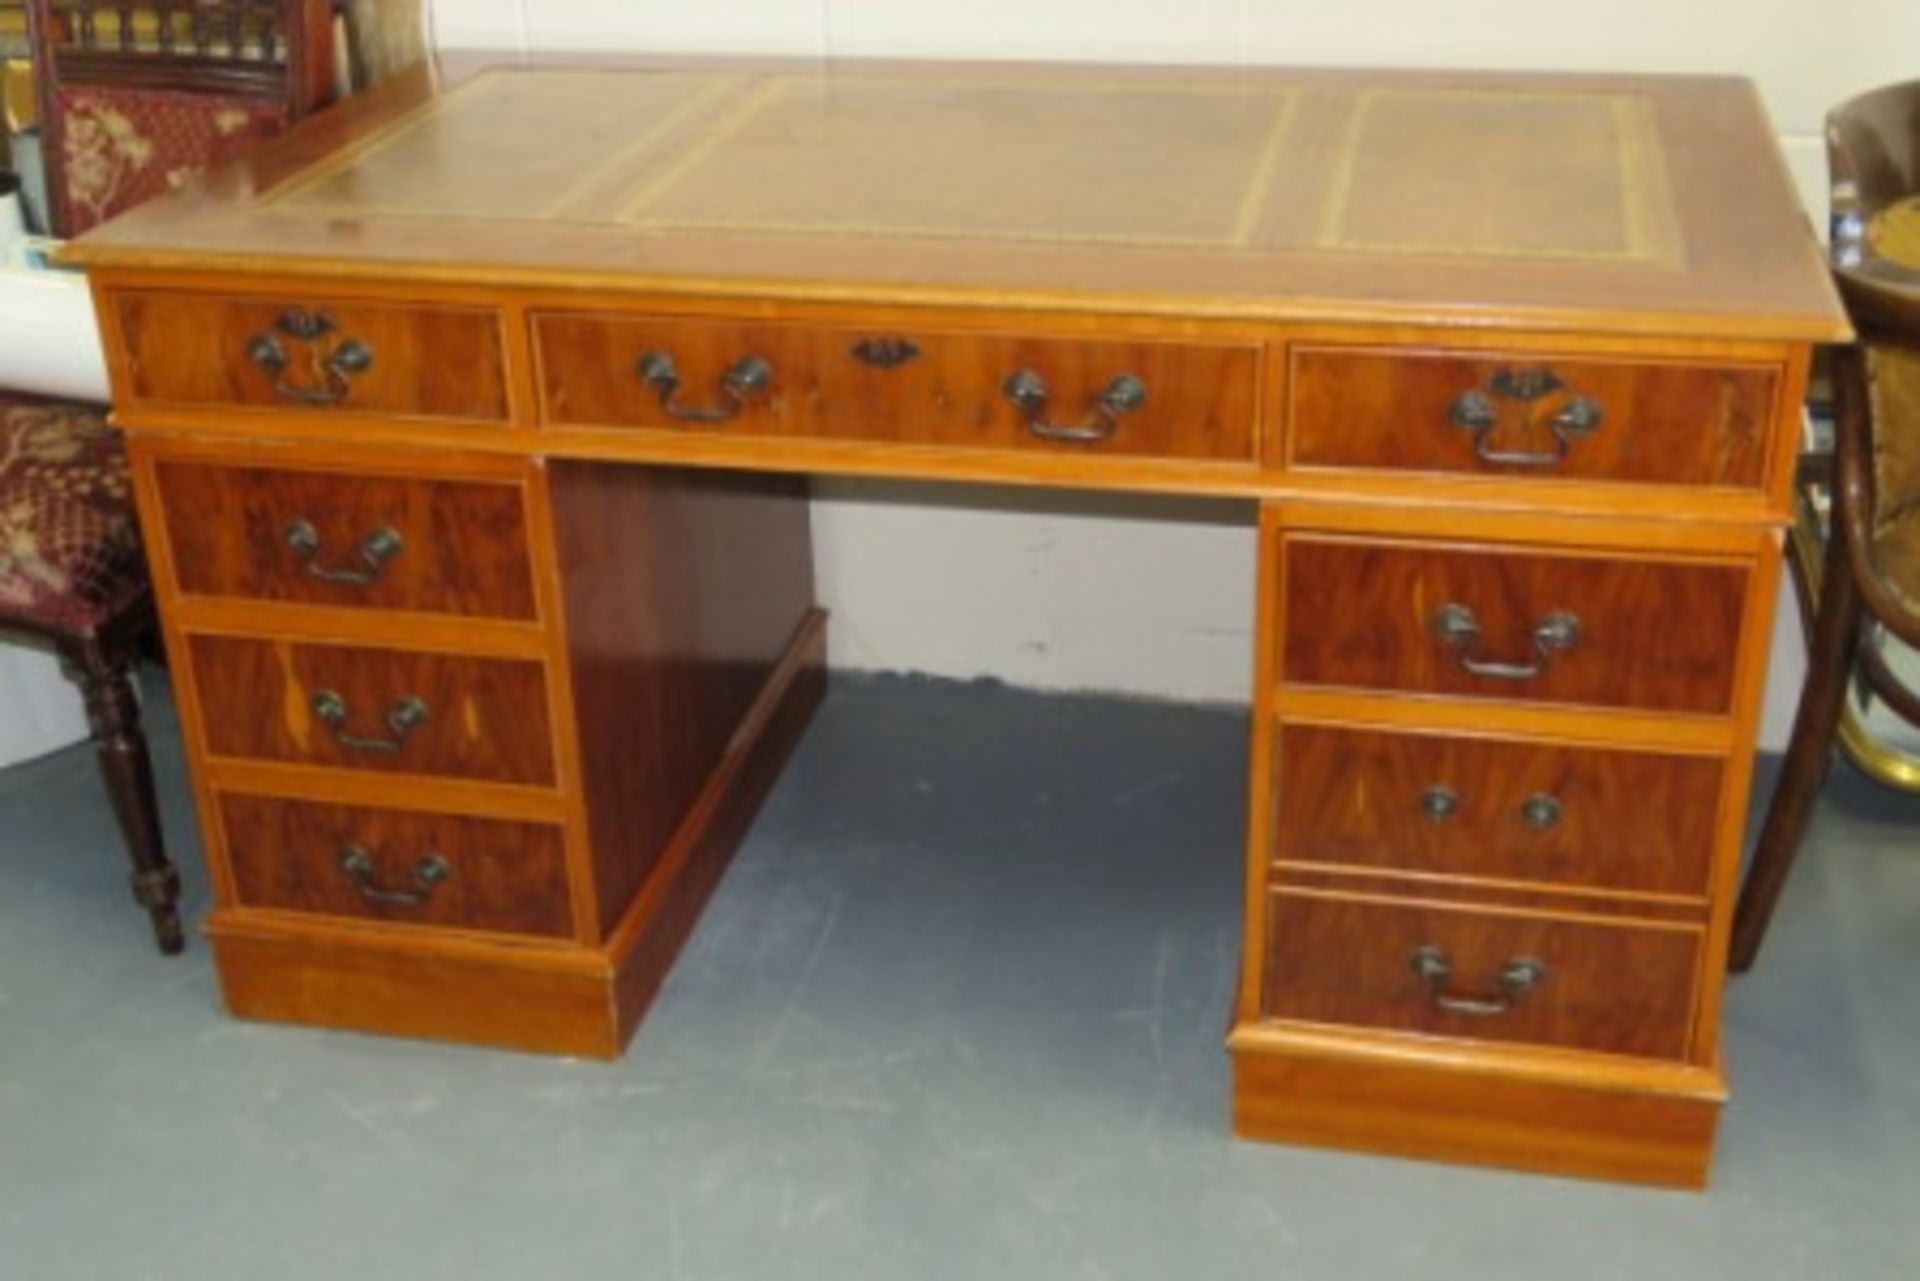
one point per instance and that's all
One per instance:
(1530, 416)
(1531, 626)
(1497, 809)
(398, 866)
(1465, 973)
(1186, 400)
(312, 355)
(363, 541)
(392, 711)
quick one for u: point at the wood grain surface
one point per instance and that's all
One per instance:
(508, 878)
(1613, 820)
(462, 544)
(485, 718)
(1653, 634)
(1608, 986)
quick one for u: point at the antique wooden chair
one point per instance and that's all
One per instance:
(135, 100)
(72, 578)
(138, 96)
(1871, 573)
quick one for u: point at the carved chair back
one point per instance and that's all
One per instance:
(141, 96)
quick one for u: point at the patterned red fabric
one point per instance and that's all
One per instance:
(122, 146)
(69, 544)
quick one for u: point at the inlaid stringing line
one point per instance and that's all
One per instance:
(1251, 203)
(750, 106)
(375, 141)
(668, 122)
(1254, 201)
(1634, 154)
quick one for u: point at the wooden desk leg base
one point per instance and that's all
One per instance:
(1389, 1104)
(546, 1000)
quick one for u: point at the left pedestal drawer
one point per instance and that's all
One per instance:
(398, 866)
(359, 707)
(350, 540)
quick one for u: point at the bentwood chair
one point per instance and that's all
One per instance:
(1870, 576)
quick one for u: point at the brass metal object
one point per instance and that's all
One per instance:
(428, 874)
(1479, 412)
(1459, 629)
(333, 359)
(1541, 811)
(885, 353)
(1439, 803)
(404, 716)
(374, 551)
(1518, 976)
(1124, 395)
(744, 379)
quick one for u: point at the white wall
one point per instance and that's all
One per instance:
(1068, 591)
(42, 707)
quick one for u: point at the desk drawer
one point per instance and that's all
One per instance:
(361, 541)
(1150, 399)
(393, 865)
(1530, 416)
(1497, 809)
(387, 710)
(1480, 622)
(311, 355)
(1465, 973)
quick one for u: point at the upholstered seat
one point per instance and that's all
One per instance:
(69, 545)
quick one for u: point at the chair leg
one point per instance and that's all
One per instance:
(105, 677)
(1836, 627)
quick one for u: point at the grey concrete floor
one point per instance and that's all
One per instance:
(955, 1012)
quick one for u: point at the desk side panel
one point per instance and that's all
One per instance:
(681, 591)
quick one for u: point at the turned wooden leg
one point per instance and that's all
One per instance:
(105, 677)
(1836, 627)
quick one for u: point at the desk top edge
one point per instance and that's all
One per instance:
(219, 227)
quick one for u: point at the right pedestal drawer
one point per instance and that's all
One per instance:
(1462, 620)
(1447, 805)
(1481, 974)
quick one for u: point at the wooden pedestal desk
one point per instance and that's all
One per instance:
(471, 423)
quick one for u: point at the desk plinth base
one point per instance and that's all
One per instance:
(279, 968)
(1397, 1097)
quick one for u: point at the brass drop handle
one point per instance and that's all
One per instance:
(744, 379)
(333, 359)
(374, 551)
(1517, 977)
(428, 874)
(404, 716)
(1478, 413)
(1028, 392)
(1459, 630)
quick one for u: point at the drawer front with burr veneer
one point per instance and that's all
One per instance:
(1131, 398)
(348, 539)
(368, 709)
(1525, 625)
